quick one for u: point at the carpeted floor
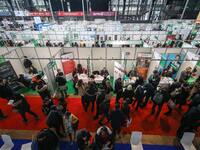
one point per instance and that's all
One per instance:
(67, 146)
(142, 120)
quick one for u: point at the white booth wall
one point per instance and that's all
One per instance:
(81, 55)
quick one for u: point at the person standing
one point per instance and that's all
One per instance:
(149, 92)
(43, 91)
(154, 79)
(116, 120)
(118, 89)
(159, 98)
(61, 83)
(90, 95)
(185, 75)
(100, 98)
(83, 139)
(81, 91)
(139, 96)
(71, 124)
(23, 107)
(128, 93)
(104, 110)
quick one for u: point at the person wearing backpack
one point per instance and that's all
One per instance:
(149, 93)
(118, 89)
(139, 96)
(154, 79)
(100, 98)
(46, 139)
(159, 98)
(61, 83)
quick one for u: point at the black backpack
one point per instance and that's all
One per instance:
(46, 139)
(139, 91)
(158, 97)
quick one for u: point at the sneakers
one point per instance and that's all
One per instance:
(129, 122)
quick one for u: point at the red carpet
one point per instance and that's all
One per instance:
(142, 120)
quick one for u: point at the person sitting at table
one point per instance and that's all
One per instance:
(185, 75)
(79, 70)
(104, 72)
(133, 73)
(24, 81)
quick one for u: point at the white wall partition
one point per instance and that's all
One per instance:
(113, 53)
(98, 53)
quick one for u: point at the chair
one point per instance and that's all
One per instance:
(135, 141)
(8, 144)
(26, 146)
(186, 141)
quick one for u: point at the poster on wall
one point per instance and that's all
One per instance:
(118, 71)
(68, 64)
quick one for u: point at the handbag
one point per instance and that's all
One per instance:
(171, 104)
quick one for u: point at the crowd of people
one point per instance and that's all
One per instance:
(63, 123)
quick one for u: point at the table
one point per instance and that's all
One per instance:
(98, 78)
(131, 80)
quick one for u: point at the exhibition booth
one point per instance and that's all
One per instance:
(145, 60)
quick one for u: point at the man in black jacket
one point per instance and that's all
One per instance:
(23, 107)
(154, 79)
(149, 92)
(116, 119)
(118, 89)
(100, 98)
(190, 121)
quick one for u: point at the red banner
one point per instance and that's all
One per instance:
(70, 14)
(102, 13)
(40, 13)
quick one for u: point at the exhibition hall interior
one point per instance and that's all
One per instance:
(99, 74)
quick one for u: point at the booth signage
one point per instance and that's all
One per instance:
(5, 13)
(70, 14)
(102, 13)
(19, 13)
(40, 13)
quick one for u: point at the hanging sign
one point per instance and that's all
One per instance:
(40, 13)
(102, 13)
(69, 14)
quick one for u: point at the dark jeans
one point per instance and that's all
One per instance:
(97, 110)
(104, 115)
(159, 108)
(23, 114)
(139, 103)
(118, 96)
(88, 101)
(146, 100)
